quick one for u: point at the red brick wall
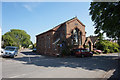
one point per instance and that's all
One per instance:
(63, 32)
(71, 26)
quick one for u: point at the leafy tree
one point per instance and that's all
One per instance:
(8, 41)
(100, 36)
(106, 16)
(16, 37)
(34, 45)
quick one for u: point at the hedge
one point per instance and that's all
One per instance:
(107, 46)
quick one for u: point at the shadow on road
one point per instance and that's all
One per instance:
(29, 53)
(116, 73)
(104, 63)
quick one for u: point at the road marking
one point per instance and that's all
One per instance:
(17, 76)
(108, 74)
(29, 58)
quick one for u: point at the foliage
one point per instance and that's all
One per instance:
(107, 46)
(106, 17)
(8, 41)
(106, 50)
(116, 49)
(34, 45)
(16, 37)
(100, 36)
(66, 51)
(86, 46)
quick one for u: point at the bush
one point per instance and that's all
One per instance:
(100, 45)
(86, 46)
(111, 51)
(106, 51)
(116, 49)
(107, 46)
(66, 51)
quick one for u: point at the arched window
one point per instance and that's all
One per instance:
(80, 39)
(75, 36)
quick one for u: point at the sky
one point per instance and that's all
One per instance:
(38, 17)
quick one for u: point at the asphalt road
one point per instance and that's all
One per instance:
(29, 65)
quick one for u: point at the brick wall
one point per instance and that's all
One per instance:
(47, 42)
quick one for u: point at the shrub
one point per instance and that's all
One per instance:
(116, 49)
(66, 51)
(107, 46)
(106, 51)
(111, 51)
(86, 46)
(100, 45)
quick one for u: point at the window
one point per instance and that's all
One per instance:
(84, 50)
(80, 39)
(75, 36)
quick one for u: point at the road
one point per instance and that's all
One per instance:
(29, 65)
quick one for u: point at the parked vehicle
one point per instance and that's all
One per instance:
(34, 49)
(10, 51)
(97, 51)
(81, 52)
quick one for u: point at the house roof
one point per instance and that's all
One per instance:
(93, 38)
(56, 27)
(88, 39)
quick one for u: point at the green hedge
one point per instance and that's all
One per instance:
(107, 46)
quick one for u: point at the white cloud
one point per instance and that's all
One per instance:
(28, 7)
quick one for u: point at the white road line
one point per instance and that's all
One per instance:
(29, 58)
(17, 76)
(108, 74)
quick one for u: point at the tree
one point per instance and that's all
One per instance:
(100, 36)
(8, 41)
(106, 18)
(34, 45)
(16, 37)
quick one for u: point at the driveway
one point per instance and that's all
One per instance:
(29, 65)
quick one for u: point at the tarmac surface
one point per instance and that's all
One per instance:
(29, 65)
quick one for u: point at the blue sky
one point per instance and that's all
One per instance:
(37, 17)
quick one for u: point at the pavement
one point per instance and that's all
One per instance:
(29, 65)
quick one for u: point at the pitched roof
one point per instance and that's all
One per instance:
(87, 40)
(56, 27)
(93, 38)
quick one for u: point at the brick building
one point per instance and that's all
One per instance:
(71, 32)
